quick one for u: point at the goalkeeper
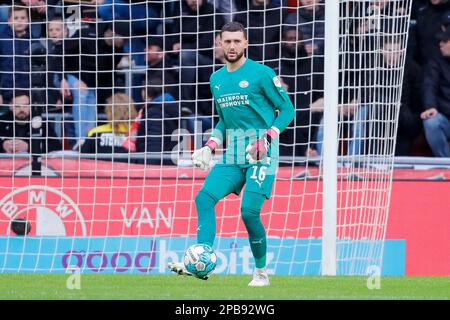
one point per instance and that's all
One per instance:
(253, 109)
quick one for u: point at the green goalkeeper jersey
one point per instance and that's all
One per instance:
(247, 101)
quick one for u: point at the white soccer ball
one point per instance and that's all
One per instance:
(200, 260)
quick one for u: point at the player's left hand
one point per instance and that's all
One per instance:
(257, 151)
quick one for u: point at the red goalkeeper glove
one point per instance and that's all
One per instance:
(257, 150)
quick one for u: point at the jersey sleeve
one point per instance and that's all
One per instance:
(218, 134)
(277, 95)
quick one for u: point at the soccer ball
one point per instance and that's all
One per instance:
(200, 260)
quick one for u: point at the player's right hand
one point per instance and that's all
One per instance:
(202, 157)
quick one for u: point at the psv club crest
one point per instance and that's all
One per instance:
(49, 212)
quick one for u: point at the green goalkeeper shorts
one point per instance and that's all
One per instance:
(257, 178)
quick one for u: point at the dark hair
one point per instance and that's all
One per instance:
(17, 8)
(233, 26)
(20, 93)
(153, 87)
(299, 32)
(155, 41)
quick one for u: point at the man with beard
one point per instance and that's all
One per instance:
(253, 109)
(15, 128)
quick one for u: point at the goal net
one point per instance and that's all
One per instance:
(103, 104)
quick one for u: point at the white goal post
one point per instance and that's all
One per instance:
(331, 86)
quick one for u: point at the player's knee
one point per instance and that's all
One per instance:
(253, 223)
(204, 201)
(250, 215)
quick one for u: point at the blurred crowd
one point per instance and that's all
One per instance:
(121, 76)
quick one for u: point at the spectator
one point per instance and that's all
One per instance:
(378, 108)
(377, 101)
(436, 93)
(37, 10)
(116, 36)
(59, 95)
(205, 108)
(355, 61)
(373, 123)
(158, 123)
(108, 138)
(358, 58)
(160, 65)
(409, 122)
(371, 19)
(262, 20)
(16, 134)
(219, 55)
(38, 14)
(195, 29)
(131, 46)
(111, 51)
(56, 32)
(54, 9)
(144, 16)
(16, 50)
(373, 119)
(193, 37)
(310, 19)
(428, 25)
(226, 8)
(36, 5)
(83, 57)
(111, 48)
(303, 76)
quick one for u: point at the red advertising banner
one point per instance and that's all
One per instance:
(116, 207)
(149, 205)
(420, 214)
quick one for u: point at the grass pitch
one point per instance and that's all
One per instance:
(173, 287)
